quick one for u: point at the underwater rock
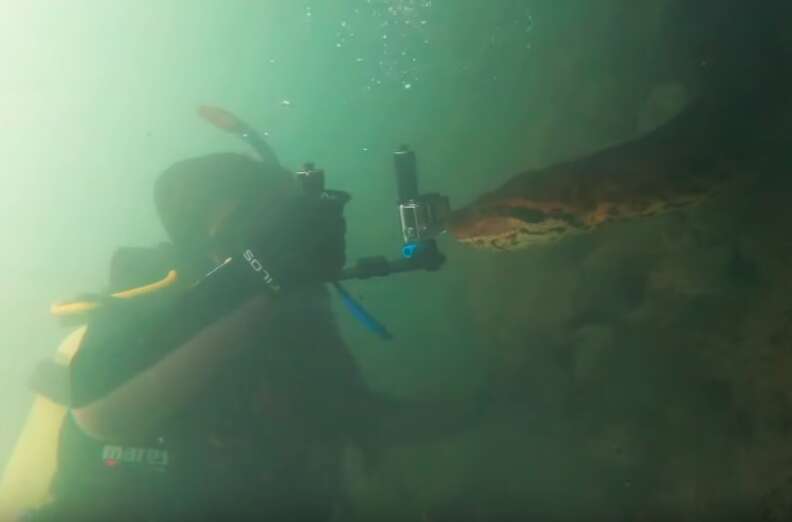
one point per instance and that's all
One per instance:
(695, 273)
(661, 344)
(664, 102)
(591, 343)
(617, 446)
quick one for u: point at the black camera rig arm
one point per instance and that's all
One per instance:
(422, 219)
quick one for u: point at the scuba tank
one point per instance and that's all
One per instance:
(27, 477)
(36, 469)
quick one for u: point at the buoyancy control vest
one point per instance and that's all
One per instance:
(312, 391)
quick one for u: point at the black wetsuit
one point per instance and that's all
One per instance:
(262, 442)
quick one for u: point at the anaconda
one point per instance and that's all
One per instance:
(719, 139)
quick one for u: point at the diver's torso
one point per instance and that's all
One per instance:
(262, 439)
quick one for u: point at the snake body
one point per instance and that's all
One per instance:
(680, 164)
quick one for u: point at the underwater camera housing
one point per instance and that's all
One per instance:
(422, 215)
(422, 218)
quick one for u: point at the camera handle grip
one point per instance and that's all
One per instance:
(422, 256)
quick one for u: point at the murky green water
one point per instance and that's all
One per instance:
(643, 369)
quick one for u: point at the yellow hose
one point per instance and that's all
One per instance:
(64, 309)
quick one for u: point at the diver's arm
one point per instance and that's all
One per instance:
(134, 409)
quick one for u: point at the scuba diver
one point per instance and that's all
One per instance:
(227, 393)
